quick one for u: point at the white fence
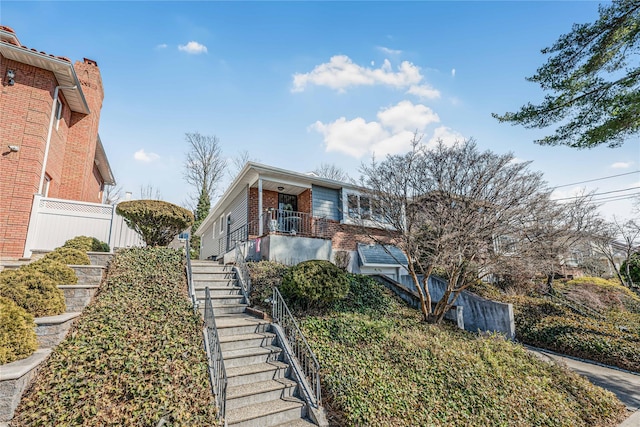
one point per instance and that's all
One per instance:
(54, 221)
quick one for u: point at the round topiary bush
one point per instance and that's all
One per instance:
(68, 256)
(60, 273)
(18, 332)
(156, 221)
(314, 284)
(33, 291)
(86, 244)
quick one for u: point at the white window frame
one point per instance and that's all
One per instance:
(371, 219)
(221, 224)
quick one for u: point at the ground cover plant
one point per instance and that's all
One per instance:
(393, 370)
(590, 318)
(134, 357)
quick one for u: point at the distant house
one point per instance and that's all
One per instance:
(291, 217)
(49, 117)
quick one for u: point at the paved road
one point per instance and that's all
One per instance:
(625, 385)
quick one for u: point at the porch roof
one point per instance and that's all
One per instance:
(272, 179)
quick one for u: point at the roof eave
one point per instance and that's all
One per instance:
(63, 70)
(102, 162)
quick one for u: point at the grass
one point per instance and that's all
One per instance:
(134, 357)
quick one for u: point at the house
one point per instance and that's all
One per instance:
(49, 117)
(287, 216)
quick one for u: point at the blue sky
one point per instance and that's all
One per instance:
(300, 83)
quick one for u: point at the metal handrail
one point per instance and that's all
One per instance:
(190, 287)
(217, 371)
(301, 351)
(242, 270)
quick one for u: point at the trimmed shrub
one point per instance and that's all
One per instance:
(17, 332)
(60, 273)
(133, 359)
(33, 291)
(264, 276)
(68, 256)
(87, 244)
(314, 284)
(156, 221)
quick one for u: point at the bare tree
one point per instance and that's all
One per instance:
(204, 165)
(447, 205)
(238, 162)
(150, 193)
(617, 242)
(112, 194)
(331, 171)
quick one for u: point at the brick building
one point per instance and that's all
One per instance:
(49, 142)
(290, 217)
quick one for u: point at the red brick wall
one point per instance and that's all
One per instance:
(304, 201)
(78, 182)
(25, 110)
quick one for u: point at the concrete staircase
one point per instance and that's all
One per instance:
(260, 388)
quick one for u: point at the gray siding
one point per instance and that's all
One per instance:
(326, 203)
(239, 210)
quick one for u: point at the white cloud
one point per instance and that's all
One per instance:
(407, 116)
(424, 92)
(193, 47)
(388, 51)
(162, 46)
(390, 134)
(142, 156)
(354, 137)
(447, 135)
(341, 72)
(621, 165)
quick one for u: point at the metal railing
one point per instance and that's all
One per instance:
(242, 270)
(190, 287)
(217, 372)
(295, 223)
(307, 361)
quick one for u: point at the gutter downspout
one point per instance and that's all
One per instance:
(48, 144)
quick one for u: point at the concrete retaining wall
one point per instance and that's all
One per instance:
(411, 297)
(480, 314)
(291, 250)
(15, 377)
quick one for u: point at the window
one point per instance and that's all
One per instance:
(365, 208)
(58, 113)
(353, 209)
(221, 223)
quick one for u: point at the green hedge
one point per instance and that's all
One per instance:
(17, 332)
(33, 291)
(60, 273)
(134, 357)
(69, 256)
(87, 244)
(314, 284)
(156, 221)
(264, 276)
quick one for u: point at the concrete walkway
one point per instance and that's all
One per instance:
(624, 384)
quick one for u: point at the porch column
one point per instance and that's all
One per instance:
(260, 219)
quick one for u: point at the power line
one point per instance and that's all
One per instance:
(600, 194)
(596, 179)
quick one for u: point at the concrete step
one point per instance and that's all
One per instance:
(260, 392)
(224, 300)
(77, 297)
(241, 324)
(235, 342)
(267, 414)
(88, 274)
(221, 310)
(249, 356)
(257, 372)
(209, 266)
(201, 284)
(219, 290)
(300, 422)
(212, 277)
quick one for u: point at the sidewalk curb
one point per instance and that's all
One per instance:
(632, 421)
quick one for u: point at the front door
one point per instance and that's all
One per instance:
(287, 202)
(287, 211)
